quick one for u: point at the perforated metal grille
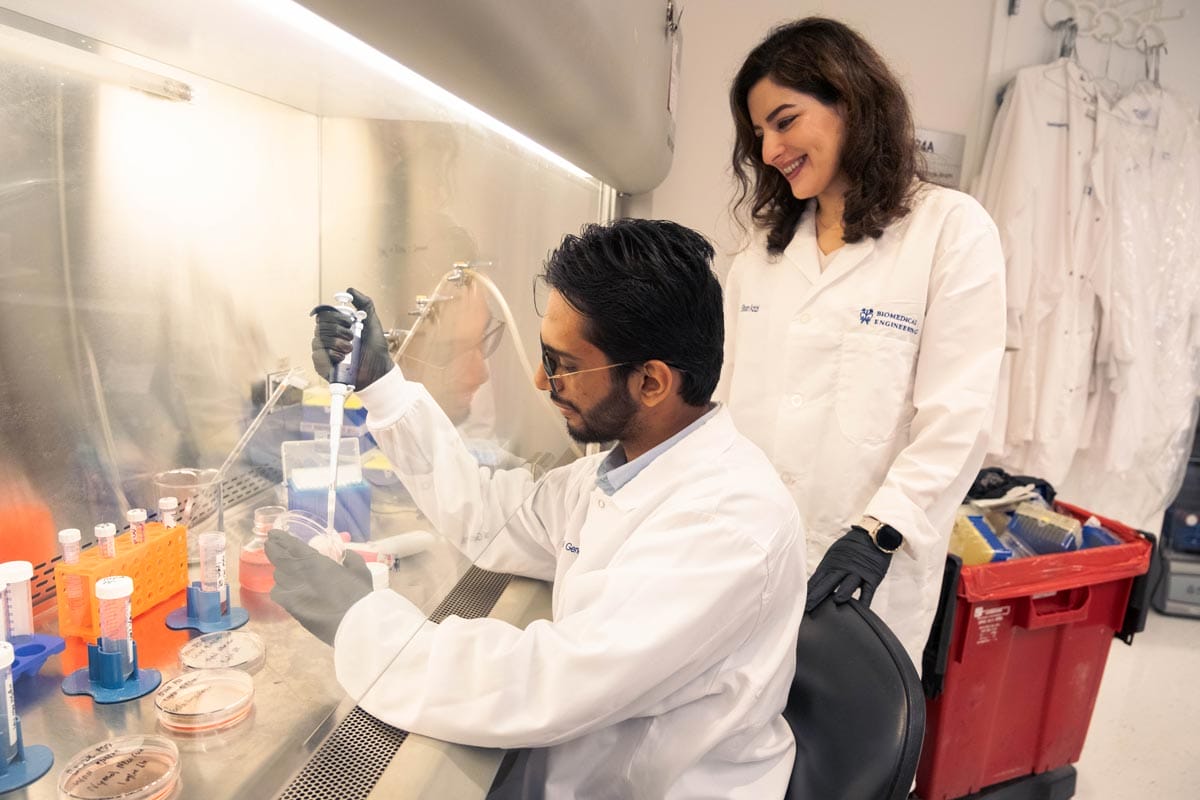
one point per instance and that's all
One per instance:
(473, 596)
(349, 763)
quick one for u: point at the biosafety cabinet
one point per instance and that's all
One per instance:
(180, 184)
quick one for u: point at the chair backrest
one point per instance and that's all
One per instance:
(856, 708)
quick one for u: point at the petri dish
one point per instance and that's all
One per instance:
(128, 768)
(223, 650)
(205, 700)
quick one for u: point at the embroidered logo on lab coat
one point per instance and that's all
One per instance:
(570, 548)
(889, 319)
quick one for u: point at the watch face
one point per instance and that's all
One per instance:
(888, 537)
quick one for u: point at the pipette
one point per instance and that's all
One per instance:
(341, 384)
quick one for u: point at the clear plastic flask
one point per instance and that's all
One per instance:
(255, 571)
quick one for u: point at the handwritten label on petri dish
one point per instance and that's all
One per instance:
(220, 650)
(112, 773)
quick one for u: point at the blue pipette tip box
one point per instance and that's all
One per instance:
(203, 612)
(32, 652)
(31, 763)
(102, 678)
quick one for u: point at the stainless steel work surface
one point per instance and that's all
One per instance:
(298, 701)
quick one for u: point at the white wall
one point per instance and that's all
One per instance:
(952, 56)
(936, 47)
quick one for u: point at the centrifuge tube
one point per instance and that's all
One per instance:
(167, 509)
(69, 538)
(18, 574)
(8, 707)
(106, 539)
(212, 561)
(4, 634)
(136, 517)
(116, 619)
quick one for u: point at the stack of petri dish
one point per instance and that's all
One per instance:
(223, 650)
(128, 768)
(205, 701)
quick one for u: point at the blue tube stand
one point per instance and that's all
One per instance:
(102, 678)
(32, 651)
(30, 763)
(203, 612)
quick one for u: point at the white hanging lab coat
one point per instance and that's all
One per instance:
(666, 666)
(1033, 183)
(869, 385)
(1132, 471)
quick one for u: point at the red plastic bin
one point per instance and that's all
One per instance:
(1028, 648)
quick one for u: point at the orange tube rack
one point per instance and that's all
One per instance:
(158, 567)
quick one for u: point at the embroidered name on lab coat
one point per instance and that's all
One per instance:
(889, 319)
(570, 548)
(752, 309)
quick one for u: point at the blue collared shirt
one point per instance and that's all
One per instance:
(614, 471)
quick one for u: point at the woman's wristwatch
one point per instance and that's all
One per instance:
(885, 537)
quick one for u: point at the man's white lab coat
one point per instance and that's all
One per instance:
(677, 601)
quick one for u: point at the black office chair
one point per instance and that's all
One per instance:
(856, 708)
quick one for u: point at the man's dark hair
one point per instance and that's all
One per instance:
(830, 61)
(647, 291)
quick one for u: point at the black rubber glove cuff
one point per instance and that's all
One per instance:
(852, 563)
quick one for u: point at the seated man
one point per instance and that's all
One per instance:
(676, 557)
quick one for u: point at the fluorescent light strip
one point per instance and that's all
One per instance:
(57, 55)
(311, 24)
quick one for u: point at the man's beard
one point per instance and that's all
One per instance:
(608, 421)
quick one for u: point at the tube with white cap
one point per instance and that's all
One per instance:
(114, 595)
(70, 541)
(106, 539)
(212, 565)
(168, 508)
(19, 596)
(8, 706)
(136, 517)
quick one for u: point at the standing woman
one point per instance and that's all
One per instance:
(864, 321)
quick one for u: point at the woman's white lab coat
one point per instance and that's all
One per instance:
(870, 385)
(666, 665)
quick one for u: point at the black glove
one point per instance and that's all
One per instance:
(333, 341)
(315, 589)
(852, 562)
